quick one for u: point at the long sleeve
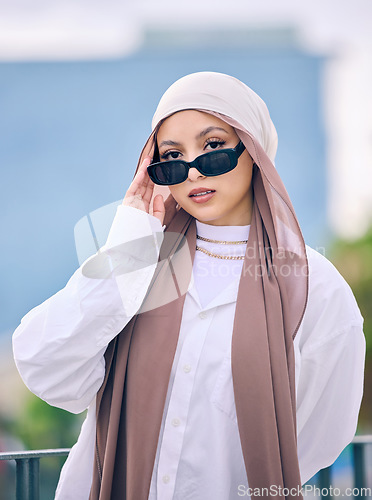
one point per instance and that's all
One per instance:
(59, 345)
(330, 352)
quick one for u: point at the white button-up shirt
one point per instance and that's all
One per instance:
(199, 449)
(59, 349)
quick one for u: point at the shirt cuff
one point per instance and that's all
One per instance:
(130, 224)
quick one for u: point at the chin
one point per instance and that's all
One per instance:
(204, 217)
(214, 221)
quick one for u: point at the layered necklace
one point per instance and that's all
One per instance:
(217, 256)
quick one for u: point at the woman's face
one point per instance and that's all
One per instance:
(228, 199)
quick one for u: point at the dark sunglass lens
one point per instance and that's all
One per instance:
(170, 172)
(216, 163)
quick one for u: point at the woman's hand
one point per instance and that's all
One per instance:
(140, 192)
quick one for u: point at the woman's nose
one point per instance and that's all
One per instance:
(194, 174)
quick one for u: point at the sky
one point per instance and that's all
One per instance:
(90, 28)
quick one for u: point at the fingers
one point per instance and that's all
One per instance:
(141, 179)
(158, 208)
(140, 191)
(146, 181)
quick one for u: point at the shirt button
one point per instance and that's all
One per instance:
(166, 479)
(202, 315)
(187, 368)
(176, 422)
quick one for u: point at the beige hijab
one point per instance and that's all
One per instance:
(271, 302)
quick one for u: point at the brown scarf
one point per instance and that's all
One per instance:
(271, 302)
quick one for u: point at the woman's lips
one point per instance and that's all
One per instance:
(201, 195)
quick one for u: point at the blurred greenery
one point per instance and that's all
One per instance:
(354, 261)
(41, 426)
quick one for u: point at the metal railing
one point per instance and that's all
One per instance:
(358, 446)
(27, 471)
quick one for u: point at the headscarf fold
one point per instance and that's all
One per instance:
(271, 302)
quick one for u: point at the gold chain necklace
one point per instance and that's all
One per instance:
(216, 256)
(222, 242)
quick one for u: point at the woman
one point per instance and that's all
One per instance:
(219, 357)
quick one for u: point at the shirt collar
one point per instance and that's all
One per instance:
(227, 296)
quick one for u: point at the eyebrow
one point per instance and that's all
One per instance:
(201, 134)
(210, 129)
(169, 143)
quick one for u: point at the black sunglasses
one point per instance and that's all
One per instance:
(221, 161)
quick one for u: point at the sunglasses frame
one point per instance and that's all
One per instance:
(233, 154)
